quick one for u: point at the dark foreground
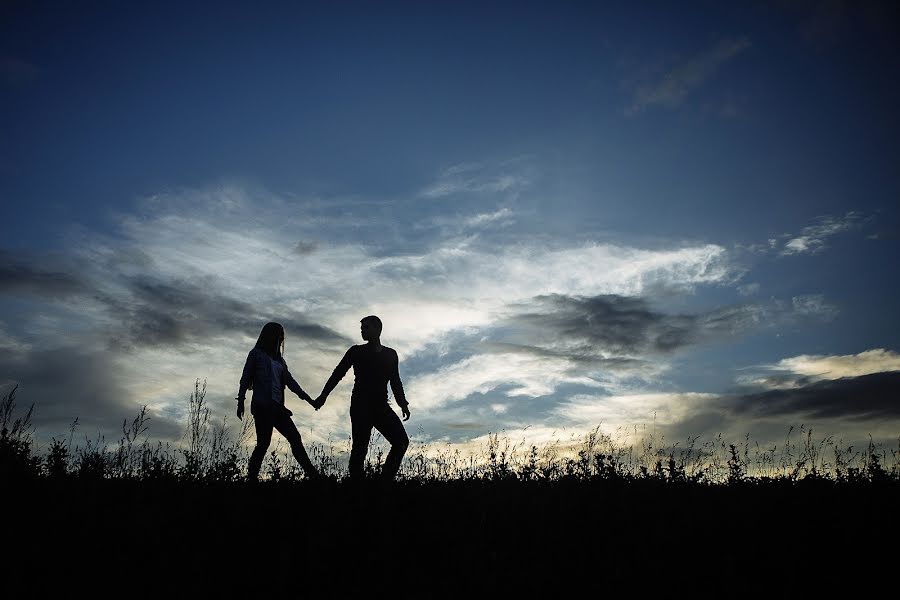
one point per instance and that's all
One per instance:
(447, 539)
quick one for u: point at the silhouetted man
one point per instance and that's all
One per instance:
(374, 366)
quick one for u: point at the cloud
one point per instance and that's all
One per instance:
(851, 407)
(304, 248)
(628, 326)
(11, 344)
(501, 216)
(148, 310)
(799, 371)
(815, 305)
(871, 396)
(69, 382)
(520, 375)
(660, 408)
(182, 287)
(610, 343)
(818, 367)
(473, 178)
(467, 226)
(829, 388)
(18, 275)
(812, 240)
(179, 311)
(673, 88)
(748, 289)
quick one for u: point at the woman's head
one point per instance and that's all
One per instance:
(271, 339)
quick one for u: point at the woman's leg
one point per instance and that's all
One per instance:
(263, 439)
(285, 426)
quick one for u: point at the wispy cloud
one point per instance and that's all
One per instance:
(472, 178)
(500, 216)
(814, 304)
(462, 225)
(813, 239)
(677, 83)
(748, 289)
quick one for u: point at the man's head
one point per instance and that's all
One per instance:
(370, 328)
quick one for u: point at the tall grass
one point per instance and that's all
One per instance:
(217, 453)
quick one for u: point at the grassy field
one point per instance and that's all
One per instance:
(706, 519)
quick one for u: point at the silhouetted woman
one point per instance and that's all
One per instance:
(266, 373)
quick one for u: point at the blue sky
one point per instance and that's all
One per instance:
(566, 214)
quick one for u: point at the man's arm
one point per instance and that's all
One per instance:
(339, 371)
(397, 387)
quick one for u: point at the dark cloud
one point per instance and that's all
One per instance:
(160, 312)
(587, 326)
(871, 396)
(183, 311)
(303, 248)
(467, 426)
(781, 381)
(156, 312)
(141, 312)
(297, 325)
(855, 403)
(578, 354)
(153, 311)
(18, 275)
(71, 382)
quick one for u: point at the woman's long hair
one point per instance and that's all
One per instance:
(271, 340)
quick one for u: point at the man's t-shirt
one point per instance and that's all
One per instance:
(372, 371)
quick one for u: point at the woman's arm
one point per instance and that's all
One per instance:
(246, 382)
(292, 385)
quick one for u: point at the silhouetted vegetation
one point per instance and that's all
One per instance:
(686, 519)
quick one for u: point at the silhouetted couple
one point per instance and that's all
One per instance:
(374, 366)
